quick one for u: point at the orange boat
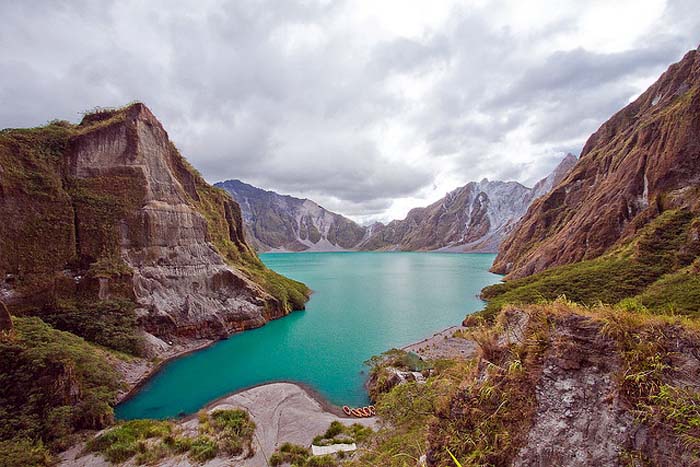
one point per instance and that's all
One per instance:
(357, 413)
(347, 410)
(366, 412)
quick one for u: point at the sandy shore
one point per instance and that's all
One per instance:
(443, 345)
(282, 412)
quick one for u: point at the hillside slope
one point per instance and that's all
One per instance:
(555, 384)
(108, 230)
(639, 161)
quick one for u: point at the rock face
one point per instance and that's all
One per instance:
(572, 386)
(279, 222)
(109, 210)
(474, 218)
(641, 159)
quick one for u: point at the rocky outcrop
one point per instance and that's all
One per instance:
(473, 218)
(574, 386)
(645, 156)
(281, 222)
(108, 210)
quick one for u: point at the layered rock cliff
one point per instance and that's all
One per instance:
(473, 218)
(281, 222)
(107, 212)
(645, 159)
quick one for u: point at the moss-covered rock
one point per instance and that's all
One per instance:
(107, 212)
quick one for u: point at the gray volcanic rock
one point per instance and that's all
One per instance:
(279, 222)
(473, 218)
(180, 281)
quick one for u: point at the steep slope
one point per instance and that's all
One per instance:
(475, 217)
(552, 384)
(642, 161)
(280, 222)
(107, 228)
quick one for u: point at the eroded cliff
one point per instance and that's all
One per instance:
(643, 157)
(107, 215)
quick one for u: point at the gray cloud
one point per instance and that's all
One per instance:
(309, 97)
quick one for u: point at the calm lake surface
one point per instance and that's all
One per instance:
(363, 304)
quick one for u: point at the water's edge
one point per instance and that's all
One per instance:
(138, 384)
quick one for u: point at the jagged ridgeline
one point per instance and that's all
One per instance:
(107, 229)
(624, 225)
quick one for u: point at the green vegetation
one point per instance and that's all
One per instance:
(407, 411)
(675, 293)
(24, 452)
(657, 352)
(110, 323)
(127, 439)
(291, 454)
(233, 428)
(148, 441)
(639, 266)
(479, 412)
(337, 433)
(299, 456)
(52, 384)
(380, 376)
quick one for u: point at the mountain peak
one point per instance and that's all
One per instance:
(637, 159)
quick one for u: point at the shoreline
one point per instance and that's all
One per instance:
(326, 404)
(146, 376)
(199, 344)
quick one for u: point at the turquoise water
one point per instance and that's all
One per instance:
(363, 304)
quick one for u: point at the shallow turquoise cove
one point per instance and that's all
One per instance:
(363, 304)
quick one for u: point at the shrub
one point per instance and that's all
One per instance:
(52, 383)
(22, 452)
(203, 448)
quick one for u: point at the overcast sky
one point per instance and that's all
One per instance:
(369, 107)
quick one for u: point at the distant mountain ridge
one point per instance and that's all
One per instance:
(283, 222)
(473, 218)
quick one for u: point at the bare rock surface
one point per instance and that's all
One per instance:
(182, 284)
(579, 421)
(473, 218)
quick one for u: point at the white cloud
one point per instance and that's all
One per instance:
(371, 107)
